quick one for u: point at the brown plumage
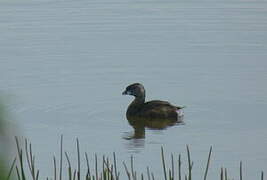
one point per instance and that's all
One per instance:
(152, 113)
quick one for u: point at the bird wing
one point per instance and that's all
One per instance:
(161, 109)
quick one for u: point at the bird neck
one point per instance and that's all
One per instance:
(135, 106)
(138, 100)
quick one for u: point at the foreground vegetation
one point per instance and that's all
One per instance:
(24, 168)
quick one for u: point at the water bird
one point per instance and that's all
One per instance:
(154, 114)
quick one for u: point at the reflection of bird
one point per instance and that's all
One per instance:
(139, 133)
(153, 114)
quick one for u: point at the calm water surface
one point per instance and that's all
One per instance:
(65, 64)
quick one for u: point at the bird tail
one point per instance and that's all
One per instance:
(180, 107)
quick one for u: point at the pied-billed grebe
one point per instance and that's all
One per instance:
(153, 110)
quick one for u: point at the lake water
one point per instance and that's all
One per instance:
(65, 64)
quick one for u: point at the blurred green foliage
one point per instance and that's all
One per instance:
(3, 116)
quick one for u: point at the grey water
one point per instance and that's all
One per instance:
(65, 63)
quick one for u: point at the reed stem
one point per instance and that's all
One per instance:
(208, 163)
(163, 163)
(241, 170)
